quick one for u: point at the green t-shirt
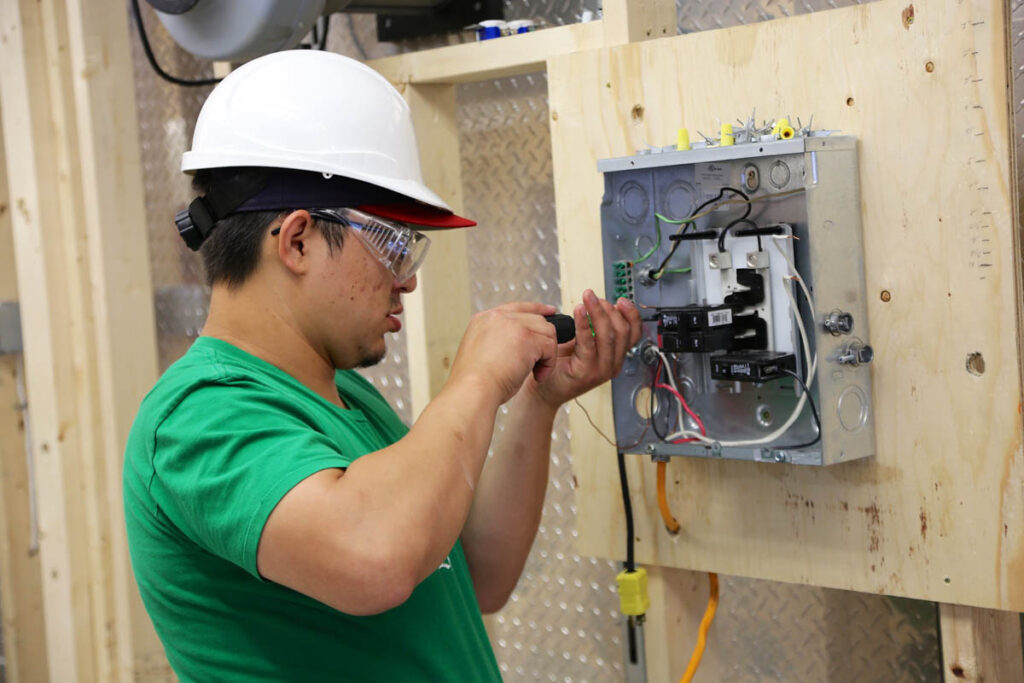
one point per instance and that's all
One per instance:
(217, 443)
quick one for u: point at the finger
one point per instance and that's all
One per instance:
(632, 315)
(621, 342)
(548, 360)
(528, 307)
(586, 347)
(603, 329)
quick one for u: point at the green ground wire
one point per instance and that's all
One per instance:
(657, 230)
(658, 219)
(669, 220)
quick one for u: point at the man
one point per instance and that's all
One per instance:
(283, 523)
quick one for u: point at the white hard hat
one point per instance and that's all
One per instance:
(311, 110)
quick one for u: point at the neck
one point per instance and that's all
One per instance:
(259, 323)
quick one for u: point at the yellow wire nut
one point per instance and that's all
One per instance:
(682, 140)
(783, 129)
(633, 597)
(727, 139)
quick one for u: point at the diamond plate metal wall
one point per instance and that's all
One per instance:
(561, 622)
(703, 15)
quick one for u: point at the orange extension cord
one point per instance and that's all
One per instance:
(666, 514)
(702, 635)
(709, 614)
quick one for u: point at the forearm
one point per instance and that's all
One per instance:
(507, 508)
(416, 494)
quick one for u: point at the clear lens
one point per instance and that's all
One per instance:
(400, 248)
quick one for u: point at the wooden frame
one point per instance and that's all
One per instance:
(577, 206)
(86, 298)
(72, 154)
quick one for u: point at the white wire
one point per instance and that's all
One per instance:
(807, 354)
(672, 382)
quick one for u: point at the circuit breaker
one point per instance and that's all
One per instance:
(746, 261)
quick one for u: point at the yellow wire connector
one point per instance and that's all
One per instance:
(682, 140)
(783, 129)
(633, 597)
(727, 138)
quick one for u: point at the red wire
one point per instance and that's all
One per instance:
(685, 405)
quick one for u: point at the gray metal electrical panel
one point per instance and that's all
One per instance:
(705, 241)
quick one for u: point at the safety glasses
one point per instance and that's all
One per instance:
(400, 248)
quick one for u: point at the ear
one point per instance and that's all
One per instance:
(291, 235)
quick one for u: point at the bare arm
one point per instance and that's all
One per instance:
(507, 508)
(362, 539)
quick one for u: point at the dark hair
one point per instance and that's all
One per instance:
(231, 253)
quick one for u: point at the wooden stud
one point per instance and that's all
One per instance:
(438, 309)
(497, 58)
(632, 21)
(21, 592)
(980, 645)
(83, 273)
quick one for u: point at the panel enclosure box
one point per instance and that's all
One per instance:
(719, 297)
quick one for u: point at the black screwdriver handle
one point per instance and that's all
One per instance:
(565, 326)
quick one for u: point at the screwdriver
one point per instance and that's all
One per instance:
(565, 326)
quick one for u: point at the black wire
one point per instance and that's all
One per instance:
(151, 58)
(814, 411)
(654, 421)
(721, 194)
(725, 231)
(628, 507)
(322, 43)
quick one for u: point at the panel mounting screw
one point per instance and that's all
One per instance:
(838, 322)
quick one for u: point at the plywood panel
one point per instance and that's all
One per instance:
(939, 512)
(508, 56)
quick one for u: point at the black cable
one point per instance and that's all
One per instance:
(654, 421)
(322, 43)
(151, 58)
(693, 236)
(721, 194)
(725, 231)
(628, 507)
(814, 411)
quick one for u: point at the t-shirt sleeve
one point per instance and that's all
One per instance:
(224, 458)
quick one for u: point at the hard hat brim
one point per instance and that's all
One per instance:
(421, 215)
